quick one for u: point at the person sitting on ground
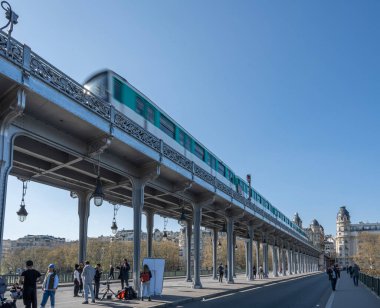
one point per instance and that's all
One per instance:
(145, 277)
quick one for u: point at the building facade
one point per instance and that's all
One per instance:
(346, 243)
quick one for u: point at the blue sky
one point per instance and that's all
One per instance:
(285, 90)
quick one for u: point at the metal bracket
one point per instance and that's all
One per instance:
(99, 145)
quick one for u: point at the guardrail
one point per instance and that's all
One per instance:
(69, 277)
(371, 282)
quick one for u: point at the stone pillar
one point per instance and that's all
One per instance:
(230, 249)
(249, 253)
(295, 261)
(149, 229)
(197, 216)
(274, 261)
(215, 254)
(84, 214)
(188, 250)
(246, 257)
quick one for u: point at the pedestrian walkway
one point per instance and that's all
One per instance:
(347, 295)
(176, 292)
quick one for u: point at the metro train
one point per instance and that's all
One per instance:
(117, 91)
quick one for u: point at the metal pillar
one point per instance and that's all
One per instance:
(265, 259)
(249, 253)
(197, 216)
(295, 261)
(234, 255)
(149, 229)
(12, 105)
(283, 256)
(230, 248)
(258, 264)
(215, 254)
(189, 227)
(290, 261)
(138, 204)
(84, 214)
(274, 261)
(246, 257)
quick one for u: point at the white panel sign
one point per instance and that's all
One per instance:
(157, 267)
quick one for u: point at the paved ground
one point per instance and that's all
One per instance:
(176, 292)
(347, 295)
(304, 292)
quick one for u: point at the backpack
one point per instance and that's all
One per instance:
(121, 294)
(130, 293)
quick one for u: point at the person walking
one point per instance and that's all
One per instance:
(29, 279)
(124, 273)
(333, 276)
(49, 286)
(98, 275)
(254, 271)
(261, 272)
(87, 278)
(145, 277)
(76, 280)
(111, 274)
(80, 270)
(221, 272)
(355, 274)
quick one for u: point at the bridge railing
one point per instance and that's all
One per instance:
(373, 283)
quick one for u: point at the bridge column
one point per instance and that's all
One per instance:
(296, 271)
(249, 252)
(84, 213)
(214, 254)
(246, 257)
(149, 229)
(234, 255)
(197, 216)
(12, 105)
(274, 260)
(189, 225)
(265, 258)
(258, 264)
(290, 261)
(230, 249)
(283, 253)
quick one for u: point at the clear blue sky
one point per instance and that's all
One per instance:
(285, 90)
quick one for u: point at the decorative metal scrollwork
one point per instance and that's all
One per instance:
(51, 75)
(12, 50)
(176, 157)
(131, 128)
(203, 174)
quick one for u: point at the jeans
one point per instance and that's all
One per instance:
(145, 289)
(45, 297)
(333, 283)
(356, 280)
(86, 287)
(76, 287)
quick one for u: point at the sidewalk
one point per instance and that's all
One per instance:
(347, 295)
(176, 292)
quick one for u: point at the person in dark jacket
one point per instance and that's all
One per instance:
(124, 273)
(221, 272)
(111, 274)
(355, 274)
(333, 276)
(254, 271)
(29, 279)
(98, 275)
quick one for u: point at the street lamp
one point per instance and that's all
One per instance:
(98, 193)
(114, 224)
(22, 213)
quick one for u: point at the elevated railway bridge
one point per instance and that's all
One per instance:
(56, 132)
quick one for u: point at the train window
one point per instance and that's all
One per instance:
(150, 114)
(221, 168)
(139, 106)
(167, 126)
(211, 161)
(181, 137)
(199, 151)
(187, 143)
(117, 90)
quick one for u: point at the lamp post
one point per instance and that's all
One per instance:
(98, 194)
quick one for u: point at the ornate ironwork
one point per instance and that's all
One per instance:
(177, 157)
(12, 50)
(223, 187)
(203, 174)
(133, 129)
(54, 77)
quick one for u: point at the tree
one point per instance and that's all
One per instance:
(368, 253)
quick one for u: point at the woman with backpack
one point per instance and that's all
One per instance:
(145, 277)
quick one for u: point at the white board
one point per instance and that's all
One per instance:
(157, 267)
